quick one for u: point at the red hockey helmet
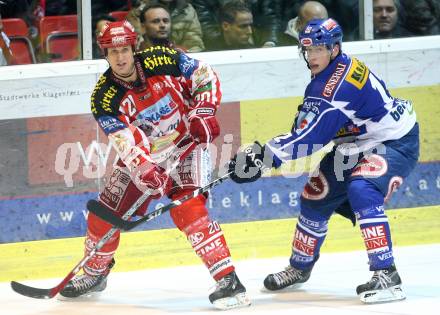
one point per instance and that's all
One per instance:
(117, 34)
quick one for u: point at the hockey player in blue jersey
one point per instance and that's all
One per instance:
(376, 141)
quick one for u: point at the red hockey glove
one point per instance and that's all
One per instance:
(203, 125)
(152, 178)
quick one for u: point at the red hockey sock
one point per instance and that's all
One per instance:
(205, 236)
(96, 230)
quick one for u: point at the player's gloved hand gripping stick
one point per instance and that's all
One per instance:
(242, 168)
(50, 293)
(240, 172)
(122, 223)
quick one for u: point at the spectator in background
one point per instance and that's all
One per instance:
(99, 22)
(309, 10)
(289, 9)
(266, 20)
(5, 51)
(345, 11)
(422, 17)
(236, 22)
(186, 31)
(386, 18)
(156, 22)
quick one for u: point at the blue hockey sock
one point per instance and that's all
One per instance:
(367, 203)
(307, 241)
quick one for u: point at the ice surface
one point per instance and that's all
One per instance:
(184, 290)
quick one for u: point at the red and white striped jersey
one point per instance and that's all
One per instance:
(146, 119)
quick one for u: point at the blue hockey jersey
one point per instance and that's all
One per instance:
(346, 102)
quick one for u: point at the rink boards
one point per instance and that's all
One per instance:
(37, 205)
(46, 198)
(276, 197)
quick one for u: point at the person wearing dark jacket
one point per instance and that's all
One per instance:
(266, 20)
(422, 17)
(236, 23)
(386, 19)
(186, 31)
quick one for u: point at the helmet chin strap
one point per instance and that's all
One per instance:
(330, 57)
(305, 59)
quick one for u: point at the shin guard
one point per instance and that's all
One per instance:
(118, 195)
(205, 236)
(375, 231)
(307, 242)
(367, 203)
(99, 263)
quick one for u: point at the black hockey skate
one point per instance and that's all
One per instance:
(285, 278)
(85, 284)
(384, 286)
(229, 293)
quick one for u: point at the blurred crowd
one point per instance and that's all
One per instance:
(210, 25)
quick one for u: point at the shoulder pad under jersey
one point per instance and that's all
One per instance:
(159, 60)
(106, 96)
(357, 74)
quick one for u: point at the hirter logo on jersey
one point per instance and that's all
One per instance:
(375, 238)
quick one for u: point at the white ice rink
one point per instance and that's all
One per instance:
(184, 290)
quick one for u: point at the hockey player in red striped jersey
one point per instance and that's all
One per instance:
(152, 104)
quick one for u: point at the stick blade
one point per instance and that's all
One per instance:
(32, 292)
(105, 214)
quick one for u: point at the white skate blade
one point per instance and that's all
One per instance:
(381, 296)
(240, 300)
(85, 297)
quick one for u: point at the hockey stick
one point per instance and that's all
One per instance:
(50, 293)
(102, 212)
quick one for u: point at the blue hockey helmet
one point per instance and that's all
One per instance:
(321, 32)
